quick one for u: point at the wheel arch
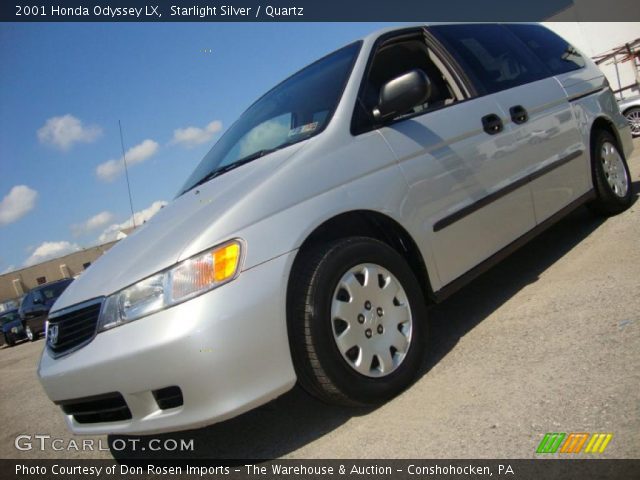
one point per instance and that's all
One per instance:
(603, 123)
(372, 224)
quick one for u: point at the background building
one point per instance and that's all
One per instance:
(15, 284)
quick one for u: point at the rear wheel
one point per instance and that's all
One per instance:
(611, 177)
(356, 318)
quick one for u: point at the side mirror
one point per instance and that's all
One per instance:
(401, 94)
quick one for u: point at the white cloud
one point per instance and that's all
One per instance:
(17, 203)
(192, 136)
(110, 169)
(109, 234)
(97, 221)
(9, 269)
(63, 132)
(48, 250)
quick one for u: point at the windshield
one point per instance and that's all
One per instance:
(295, 110)
(55, 290)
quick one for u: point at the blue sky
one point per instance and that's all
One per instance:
(174, 87)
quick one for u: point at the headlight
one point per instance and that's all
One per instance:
(186, 280)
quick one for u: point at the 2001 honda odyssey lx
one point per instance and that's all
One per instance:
(309, 240)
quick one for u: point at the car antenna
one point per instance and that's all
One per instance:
(126, 173)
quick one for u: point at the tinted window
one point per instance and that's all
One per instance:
(558, 55)
(55, 290)
(491, 55)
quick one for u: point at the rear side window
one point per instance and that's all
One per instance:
(556, 53)
(491, 54)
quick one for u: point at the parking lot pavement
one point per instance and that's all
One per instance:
(548, 341)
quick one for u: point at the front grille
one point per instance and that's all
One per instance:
(109, 407)
(73, 327)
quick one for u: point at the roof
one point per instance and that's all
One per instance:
(55, 282)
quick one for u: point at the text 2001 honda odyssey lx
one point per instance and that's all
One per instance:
(309, 240)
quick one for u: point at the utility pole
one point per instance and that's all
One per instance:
(126, 173)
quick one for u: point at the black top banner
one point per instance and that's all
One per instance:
(315, 10)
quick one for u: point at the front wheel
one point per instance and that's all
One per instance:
(31, 335)
(10, 340)
(356, 318)
(611, 177)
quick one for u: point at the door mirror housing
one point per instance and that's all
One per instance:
(401, 94)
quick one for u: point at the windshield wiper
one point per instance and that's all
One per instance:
(238, 163)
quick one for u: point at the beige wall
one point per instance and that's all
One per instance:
(16, 283)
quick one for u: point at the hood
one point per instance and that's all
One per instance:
(158, 243)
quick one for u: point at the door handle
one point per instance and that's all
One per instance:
(492, 124)
(519, 114)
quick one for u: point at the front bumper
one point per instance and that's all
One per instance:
(227, 351)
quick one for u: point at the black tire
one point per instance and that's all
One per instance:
(632, 115)
(607, 202)
(320, 367)
(10, 340)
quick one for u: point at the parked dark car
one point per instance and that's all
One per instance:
(36, 305)
(12, 328)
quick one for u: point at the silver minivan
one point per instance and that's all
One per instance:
(308, 243)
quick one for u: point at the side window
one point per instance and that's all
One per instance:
(556, 53)
(491, 54)
(392, 60)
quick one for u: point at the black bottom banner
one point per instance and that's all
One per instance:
(316, 469)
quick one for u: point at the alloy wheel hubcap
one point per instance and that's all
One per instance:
(29, 333)
(614, 170)
(371, 320)
(634, 121)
